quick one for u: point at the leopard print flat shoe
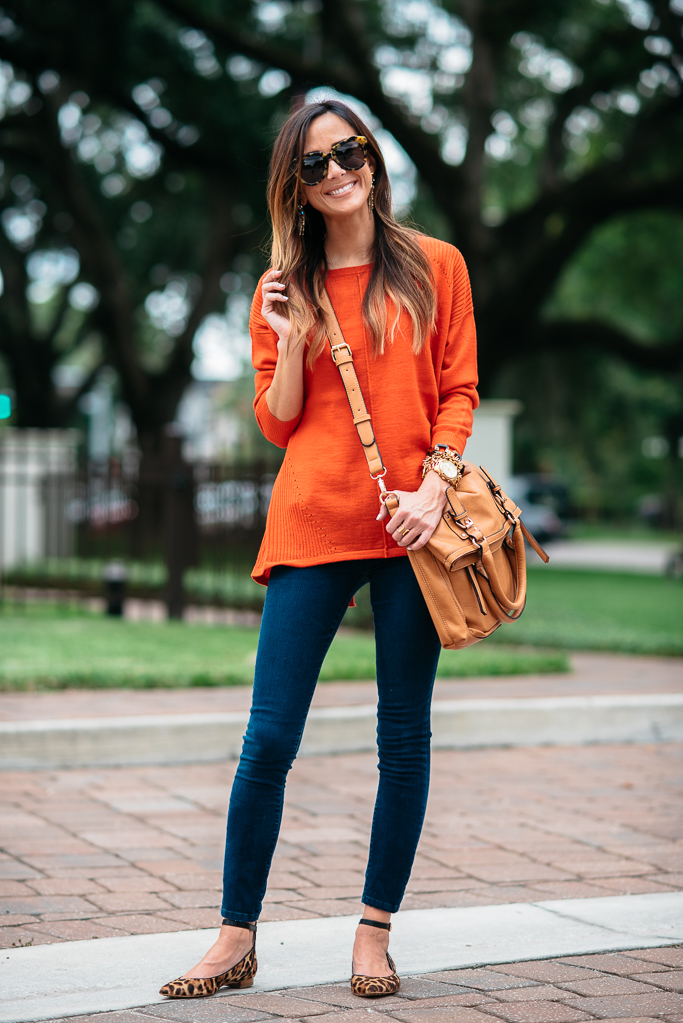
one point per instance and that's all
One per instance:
(376, 987)
(240, 975)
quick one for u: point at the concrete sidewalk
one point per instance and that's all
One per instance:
(640, 986)
(165, 739)
(606, 699)
(298, 957)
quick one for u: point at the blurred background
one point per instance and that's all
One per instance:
(545, 140)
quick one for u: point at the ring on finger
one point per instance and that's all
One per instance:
(404, 532)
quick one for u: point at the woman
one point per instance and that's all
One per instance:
(403, 303)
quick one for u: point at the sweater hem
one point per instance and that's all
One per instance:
(261, 573)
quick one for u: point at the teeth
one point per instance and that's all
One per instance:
(345, 188)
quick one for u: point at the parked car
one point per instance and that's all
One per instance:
(544, 502)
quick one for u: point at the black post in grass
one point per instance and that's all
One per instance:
(115, 578)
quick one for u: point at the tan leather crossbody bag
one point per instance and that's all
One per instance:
(472, 573)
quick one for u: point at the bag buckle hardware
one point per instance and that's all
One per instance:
(379, 480)
(335, 348)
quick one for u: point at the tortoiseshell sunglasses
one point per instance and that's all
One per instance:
(349, 154)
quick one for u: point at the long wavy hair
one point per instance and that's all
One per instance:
(401, 271)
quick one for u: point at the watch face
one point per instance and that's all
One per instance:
(448, 469)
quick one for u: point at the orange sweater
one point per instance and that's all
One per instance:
(324, 503)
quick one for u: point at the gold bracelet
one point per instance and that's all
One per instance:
(447, 464)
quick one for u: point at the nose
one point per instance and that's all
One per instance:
(334, 170)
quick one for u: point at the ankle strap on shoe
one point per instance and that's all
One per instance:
(240, 923)
(372, 923)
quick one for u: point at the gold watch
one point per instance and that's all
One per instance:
(445, 463)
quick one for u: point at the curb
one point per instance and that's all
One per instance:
(105, 974)
(456, 724)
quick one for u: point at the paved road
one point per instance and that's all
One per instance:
(650, 557)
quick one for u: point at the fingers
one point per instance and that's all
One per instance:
(272, 288)
(419, 543)
(411, 529)
(404, 529)
(424, 535)
(413, 523)
(407, 537)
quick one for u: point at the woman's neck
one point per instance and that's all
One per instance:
(349, 241)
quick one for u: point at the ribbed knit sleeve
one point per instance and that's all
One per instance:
(458, 378)
(264, 359)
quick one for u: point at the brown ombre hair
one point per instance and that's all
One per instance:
(401, 271)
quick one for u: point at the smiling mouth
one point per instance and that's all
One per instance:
(342, 190)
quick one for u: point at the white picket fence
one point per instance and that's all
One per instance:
(37, 488)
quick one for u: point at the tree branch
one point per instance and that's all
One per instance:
(69, 405)
(569, 335)
(234, 39)
(599, 74)
(348, 30)
(98, 255)
(13, 301)
(480, 94)
(670, 24)
(106, 90)
(360, 78)
(58, 320)
(30, 358)
(531, 251)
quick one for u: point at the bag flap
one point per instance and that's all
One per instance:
(471, 509)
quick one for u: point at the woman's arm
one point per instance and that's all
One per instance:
(419, 513)
(285, 396)
(279, 370)
(458, 371)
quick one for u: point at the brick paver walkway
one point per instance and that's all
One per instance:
(637, 986)
(98, 853)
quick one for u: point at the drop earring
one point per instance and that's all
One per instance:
(371, 197)
(302, 220)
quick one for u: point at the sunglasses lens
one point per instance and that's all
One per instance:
(350, 155)
(313, 168)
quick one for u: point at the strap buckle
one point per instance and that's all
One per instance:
(335, 348)
(379, 480)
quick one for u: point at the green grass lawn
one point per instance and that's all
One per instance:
(45, 649)
(48, 647)
(636, 614)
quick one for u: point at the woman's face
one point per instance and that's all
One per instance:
(341, 192)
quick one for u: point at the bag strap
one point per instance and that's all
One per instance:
(342, 357)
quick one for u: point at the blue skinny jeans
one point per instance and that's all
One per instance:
(303, 610)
